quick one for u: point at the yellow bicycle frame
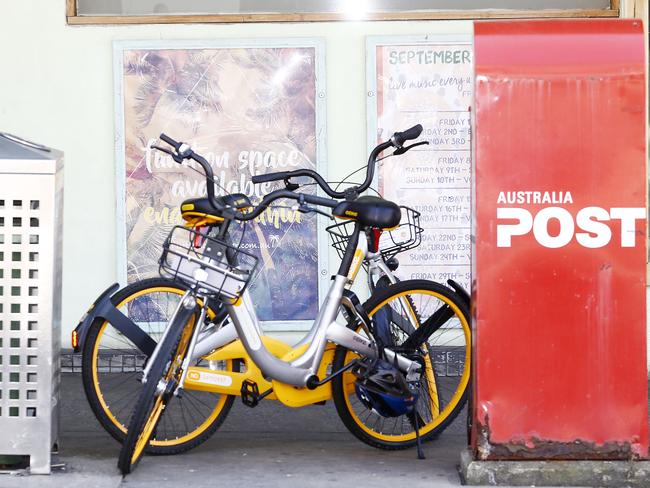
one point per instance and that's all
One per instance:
(230, 382)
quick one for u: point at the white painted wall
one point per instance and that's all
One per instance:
(56, 87)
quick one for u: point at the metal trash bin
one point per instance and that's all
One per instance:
(31, 204)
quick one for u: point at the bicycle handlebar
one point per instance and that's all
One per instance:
(187, 153)
(397, 141)
(183, 151)
(399, 138)
(285, 175)
(283, 193)
(279, 175)
(170, 141)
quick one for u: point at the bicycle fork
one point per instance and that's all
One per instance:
(190, 349)
(187, 301)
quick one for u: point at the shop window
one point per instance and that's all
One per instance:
(232, 11)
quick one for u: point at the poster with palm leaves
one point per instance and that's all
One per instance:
(248, 108)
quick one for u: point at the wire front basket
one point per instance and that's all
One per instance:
(208, 264)
(407, 235)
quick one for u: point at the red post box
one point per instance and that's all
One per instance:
(559, 264)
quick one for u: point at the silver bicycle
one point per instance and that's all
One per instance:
(378, 365)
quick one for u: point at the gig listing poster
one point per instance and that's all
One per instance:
(428, 83)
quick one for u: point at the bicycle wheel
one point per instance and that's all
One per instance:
(112, 367)
(446, 356)
(158, 391)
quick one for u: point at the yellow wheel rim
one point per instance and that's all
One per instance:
(143, 440)
(349, 379)
(96, 383)
(159, 405)
(431, 379)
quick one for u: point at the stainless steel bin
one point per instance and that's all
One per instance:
(31, 204)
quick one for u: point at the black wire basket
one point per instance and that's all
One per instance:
(407, 235)
(210, 265)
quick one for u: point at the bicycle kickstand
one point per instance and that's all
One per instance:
(418, 442)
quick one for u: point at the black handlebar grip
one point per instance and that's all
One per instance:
(170, 141)
(414, 132)
(281, 175)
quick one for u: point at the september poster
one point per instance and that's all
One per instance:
(429, 83)
(248, 111)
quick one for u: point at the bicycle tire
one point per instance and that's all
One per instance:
(110, 399)
(344, 395)
(151, 402)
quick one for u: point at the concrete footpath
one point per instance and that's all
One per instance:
(270, 445)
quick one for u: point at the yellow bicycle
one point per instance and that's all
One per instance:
(382, 366)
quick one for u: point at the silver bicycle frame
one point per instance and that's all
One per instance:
(245, 326)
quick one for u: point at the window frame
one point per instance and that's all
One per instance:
(73, 18)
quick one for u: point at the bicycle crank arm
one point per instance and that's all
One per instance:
(313, 382)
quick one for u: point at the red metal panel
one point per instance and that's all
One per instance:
(560, 248)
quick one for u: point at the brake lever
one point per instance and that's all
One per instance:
(315, 210)
(290, 186)
(163, 149)
(403, 149)
(302, 208)
(176, 157)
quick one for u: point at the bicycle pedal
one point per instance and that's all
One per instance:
(250, 393)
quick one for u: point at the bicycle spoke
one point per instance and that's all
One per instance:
(446, 347)
(119, 362)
